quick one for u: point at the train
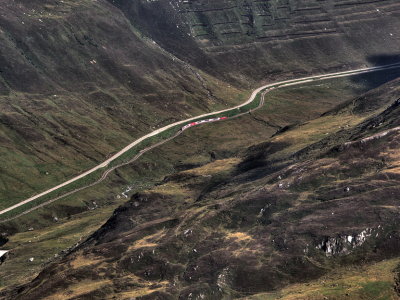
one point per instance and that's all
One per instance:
(203, 121)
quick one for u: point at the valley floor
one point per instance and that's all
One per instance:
(215, 184)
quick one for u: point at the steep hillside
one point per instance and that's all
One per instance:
(77, 83)
(242, 226)
(79, 79)
(247, 40)
(33, 234)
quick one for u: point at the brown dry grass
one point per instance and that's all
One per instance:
(215, 167)
(83, 261)
(313, 132)
(349, 283)
(148, 241)
(239, 236)
(172, 189)
(79, 289)
(139, 292)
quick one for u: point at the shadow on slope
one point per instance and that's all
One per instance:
(370, 80)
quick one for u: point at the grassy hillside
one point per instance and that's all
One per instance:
(79, 84)
(205, 217)
(239, 226)
(80, 80)
(370, 281)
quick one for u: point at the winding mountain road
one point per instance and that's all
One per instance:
(253, 96)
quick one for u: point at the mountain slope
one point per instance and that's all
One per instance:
(251, 40)
(79, 80)
(238, 227)
(79, 84)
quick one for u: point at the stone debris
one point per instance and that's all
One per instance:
(125, 192)
(223, 278)
(373, 137)
(344, 244)
(187, 232)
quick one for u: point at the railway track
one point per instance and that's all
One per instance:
(264, 89)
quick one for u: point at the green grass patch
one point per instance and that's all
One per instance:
(85, 181)
(377, 290)
(126, 157)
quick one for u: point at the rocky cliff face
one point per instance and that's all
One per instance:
(253, 39)
(49, 44)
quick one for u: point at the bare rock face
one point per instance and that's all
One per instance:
(344, 244)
